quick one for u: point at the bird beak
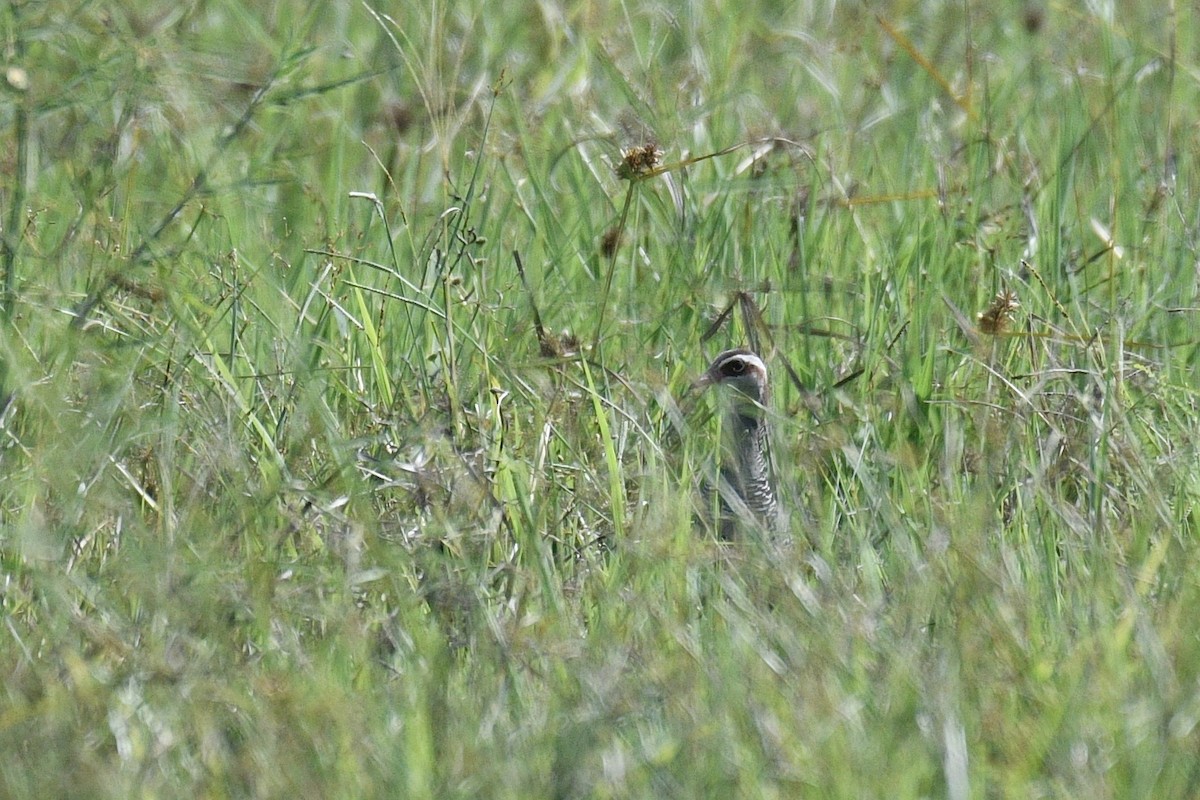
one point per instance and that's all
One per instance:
(703, 382)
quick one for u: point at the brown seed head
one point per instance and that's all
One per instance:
(1000, 313)
(638, 161)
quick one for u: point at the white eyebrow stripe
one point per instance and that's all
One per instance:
(752, 362)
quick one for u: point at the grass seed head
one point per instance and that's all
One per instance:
(638, 161)
(610, 242)
(1000, 313)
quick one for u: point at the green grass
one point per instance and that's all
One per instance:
(297, 500)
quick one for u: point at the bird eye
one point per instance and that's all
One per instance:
(736, 367)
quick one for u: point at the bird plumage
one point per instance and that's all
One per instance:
(746, 483)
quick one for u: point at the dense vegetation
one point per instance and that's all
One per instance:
(348, 446)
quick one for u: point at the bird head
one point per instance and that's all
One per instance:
(744, 374)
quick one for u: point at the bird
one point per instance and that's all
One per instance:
(746, 484)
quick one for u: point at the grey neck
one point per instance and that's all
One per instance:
(753, 482)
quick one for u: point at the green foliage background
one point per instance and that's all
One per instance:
(298, 501)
